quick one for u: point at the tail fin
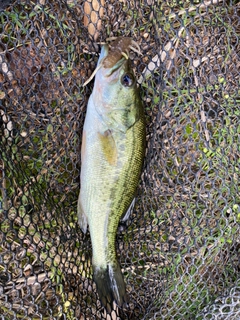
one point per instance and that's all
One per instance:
(110, 285)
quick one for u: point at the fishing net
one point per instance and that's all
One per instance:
(179, 250)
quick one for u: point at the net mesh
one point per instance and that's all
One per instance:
(179, 250)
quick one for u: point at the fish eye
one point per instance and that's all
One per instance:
(127, 80)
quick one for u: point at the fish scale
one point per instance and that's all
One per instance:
(112, 153)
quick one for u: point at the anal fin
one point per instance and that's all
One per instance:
(129, 211)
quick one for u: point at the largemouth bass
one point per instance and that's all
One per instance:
(113, 148)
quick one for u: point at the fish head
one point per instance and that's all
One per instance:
(115, 93)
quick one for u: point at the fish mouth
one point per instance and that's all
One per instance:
(115, 56)
(119, 48)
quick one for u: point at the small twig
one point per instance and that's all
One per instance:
(193, 8)
(29, 281)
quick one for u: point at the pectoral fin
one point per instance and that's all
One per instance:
(82, 218)
(108, 146)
